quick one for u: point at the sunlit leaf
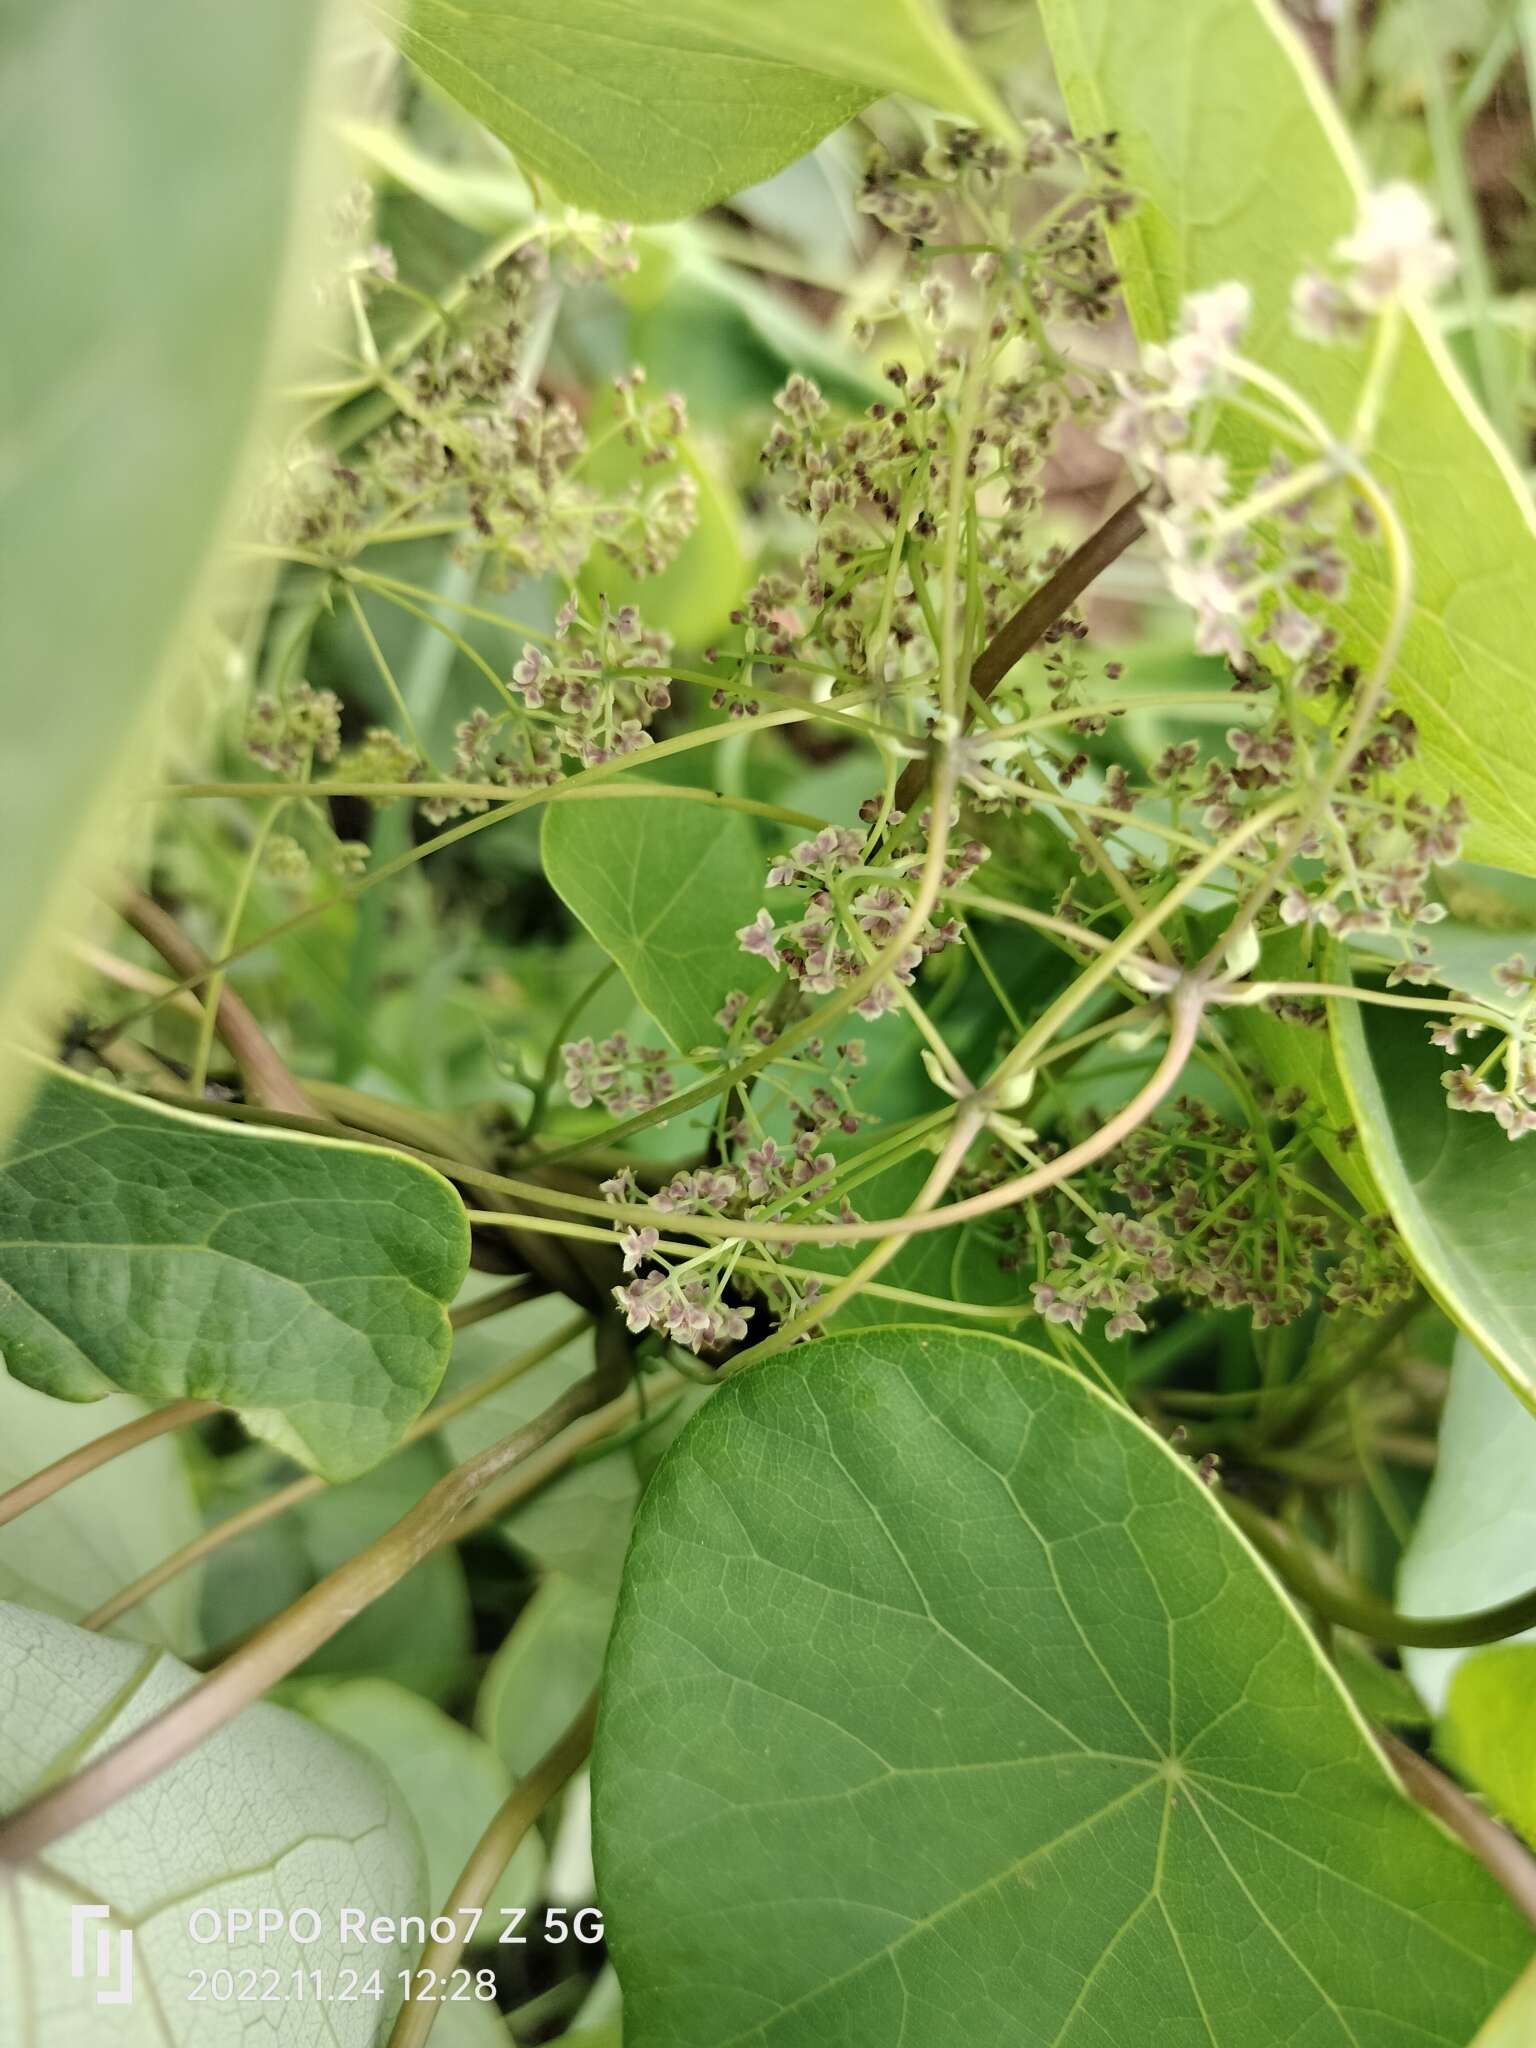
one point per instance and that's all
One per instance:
(1490, 1711)
(1513, 2025)
(301, 1282)
(147, 180)
(1243, 170)
(943, 1698)
(648, 113)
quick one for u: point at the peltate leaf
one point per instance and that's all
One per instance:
(301, 1282)
(1242, 170)
(269, 1813)
(945, 1704)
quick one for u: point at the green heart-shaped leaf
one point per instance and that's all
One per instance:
(664, 885)
(944, 1704)
(301, 1282)
(651, 113)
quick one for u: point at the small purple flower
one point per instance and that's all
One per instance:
(638, 1246)
(1465, 1091)
(1054, 1306)
(639, 1303)
(759, 937)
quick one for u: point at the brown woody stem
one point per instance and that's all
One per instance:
(283, 1644)
(100, 1451)
(266, 1079)
(1034, 619)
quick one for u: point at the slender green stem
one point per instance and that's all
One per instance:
(278, 1503)
(90, 1457)
(490, 1856)
(1318, 1583)
(385, 672)
(966, 1126)
(213, 991)
(562, 1032)
(576, 785)
(282, 1644)
(1185, 1006)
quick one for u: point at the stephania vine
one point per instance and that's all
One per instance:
(923, 513)
(914, 602)
(882, 859)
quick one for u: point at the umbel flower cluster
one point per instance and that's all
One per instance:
(1199, 1208)
(471, 437)
(1196, 1205)
(470, 445)
(590, 695)
(850, 902)
(702, 1301)
(902, 541)
(1510, 1098)
(979, 411)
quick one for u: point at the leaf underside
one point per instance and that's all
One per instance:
(652, 112)
(269, 1812)
(663, 886)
